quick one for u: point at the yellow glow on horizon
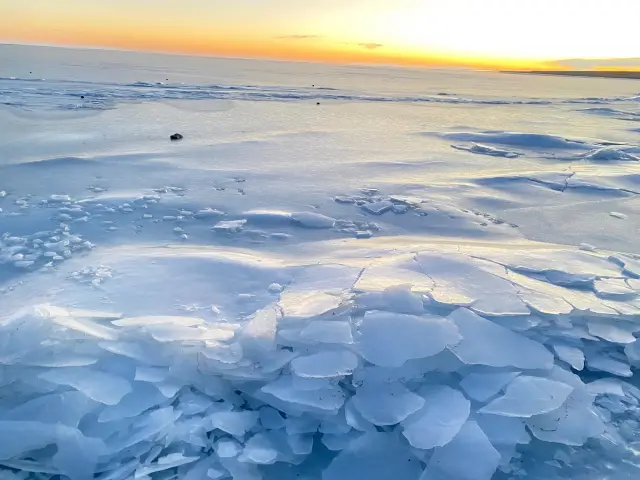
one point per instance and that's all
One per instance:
(515, 34)
(517, 29)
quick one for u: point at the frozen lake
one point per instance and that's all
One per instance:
(338, 271)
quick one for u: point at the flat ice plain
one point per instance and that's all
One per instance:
(430, 275)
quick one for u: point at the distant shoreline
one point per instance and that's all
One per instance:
(582, 73)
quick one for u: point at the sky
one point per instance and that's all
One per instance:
(477, 33)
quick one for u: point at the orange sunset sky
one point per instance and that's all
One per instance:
(479, 33)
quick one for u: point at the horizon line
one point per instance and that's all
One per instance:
(363, 62)
(553, 65)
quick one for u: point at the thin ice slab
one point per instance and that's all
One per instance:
(386, 404)
(528, 396)
(374, 456)
(325, 364)
(470, 456)
(444, 413)
(390, 339)
(487, 343)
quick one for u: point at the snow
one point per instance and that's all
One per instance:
(613, 288)
(230, 226)
(487, 150)
(312, 220)
(202, 214)
(459, 281)
(377, 208)
(520, 139)
(314, 293)
(608, 154)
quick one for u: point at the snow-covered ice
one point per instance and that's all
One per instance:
(314, 292)
(487, 150)
(312, 220)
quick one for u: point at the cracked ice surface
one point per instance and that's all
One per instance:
(327, 361)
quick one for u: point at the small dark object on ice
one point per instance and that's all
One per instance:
(176, 136)
(318, 103)
(81, 96)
